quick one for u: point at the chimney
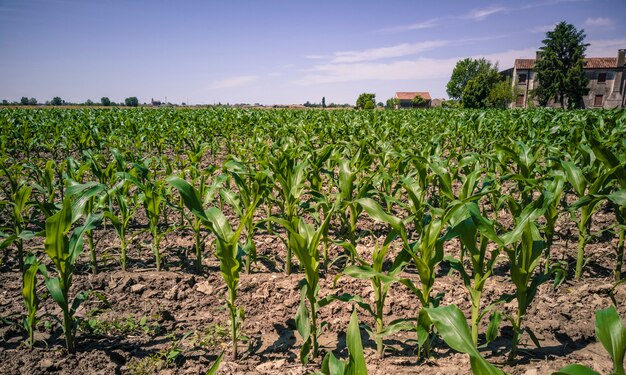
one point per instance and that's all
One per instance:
(620, 57)
(537, 55)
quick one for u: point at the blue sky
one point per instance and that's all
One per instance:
(275, 51)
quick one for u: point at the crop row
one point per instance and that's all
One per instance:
(494, 183)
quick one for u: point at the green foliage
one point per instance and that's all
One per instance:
(366, 101)
(559, 69)
(131, 101)
(56, 101)
(105, 101)
(418, 102)
(355, 365)
(392, 103)
(451, 326)
(465, 71)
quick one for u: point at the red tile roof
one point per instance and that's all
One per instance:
(412, 95)
(590, 63)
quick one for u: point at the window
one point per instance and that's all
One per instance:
(521, 79)
(520, 101)
(597, 102)
(601, 77)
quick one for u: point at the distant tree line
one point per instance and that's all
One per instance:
(57, 101)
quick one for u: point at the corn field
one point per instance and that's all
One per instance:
(309, 241)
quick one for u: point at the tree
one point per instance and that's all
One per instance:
(32, 101)
(559, 68)
(5, 102)
(501, 94)
(132, 101)
(24, 100)
(323, 102)
(392, 103)
(464, 71)
(56, 101)
(477, 91)
(418, 102)
(105, 101)
(366, 101)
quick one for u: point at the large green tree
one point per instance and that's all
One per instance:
(559, 68)
(464, 71)
(131, 102)
(366, 101)
(489, 89)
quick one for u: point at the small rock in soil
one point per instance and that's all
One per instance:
(138, 288)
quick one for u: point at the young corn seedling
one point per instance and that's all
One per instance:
(381, 282)
(451, 326)
(290, 174)
(353, 184)
(304, 240)
(524, 246)
(475, 232)
(152, 191)
(20, 206)
(426, 253)
(63, 249)
(86, 196)
(355, 365)
(592, 184)
(29, 293)
(227, 248)
(611, 332)
(252, 187)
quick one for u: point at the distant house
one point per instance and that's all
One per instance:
(606, 81)
(405, 99)
(155, 103)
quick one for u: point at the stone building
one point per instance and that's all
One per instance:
(606, 82)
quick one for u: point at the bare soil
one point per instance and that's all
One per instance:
(139, 317)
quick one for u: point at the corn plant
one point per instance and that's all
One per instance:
(152, 197)
(63, 249)
(450, 324)
(355, 365)
(593, 183)
(381, 282)
(611, 332)
(21, 209)
(426, 253)
(290, 174)
(304, 240)
(475, 232)
(524, 246)
(29, 293)
(86, 196)
(227, 248)
(253, 188)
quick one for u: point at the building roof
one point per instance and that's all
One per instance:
(590, 63)
(412, 95)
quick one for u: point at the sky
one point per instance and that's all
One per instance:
(274, 51)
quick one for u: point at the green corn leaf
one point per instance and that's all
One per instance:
(216, 365)
(54, 286)
(377, 213)
(356, 364)
(611, 332)
(451, 325)
(575, 370)
(303, 325)
(575, 177)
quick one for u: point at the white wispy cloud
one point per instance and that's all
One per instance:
(542, 29)
(427, 24)
(605, 47)
(399, 50)
(481, 14)
(420, 68)
(600, 22)
(234, 82)
(315, 57)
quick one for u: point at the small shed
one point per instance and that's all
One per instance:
(405, 99)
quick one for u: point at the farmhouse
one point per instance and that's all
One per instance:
(405, 99)
(606, 81)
